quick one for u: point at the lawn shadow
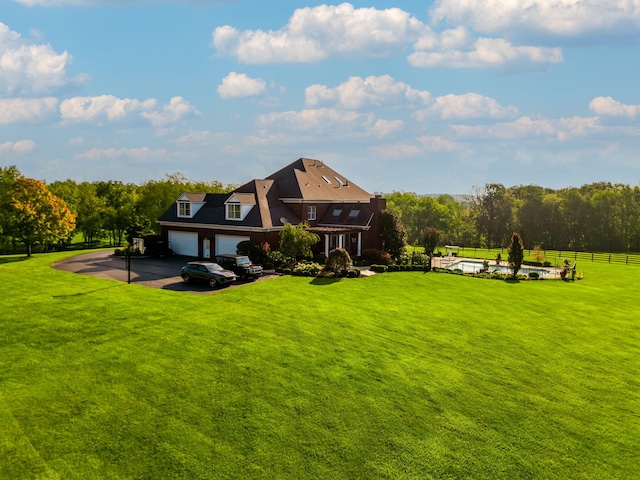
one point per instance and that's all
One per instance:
(81, 294)
(13, 259)
(324, 281)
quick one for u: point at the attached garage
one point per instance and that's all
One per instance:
(183, 243)
(228, 243)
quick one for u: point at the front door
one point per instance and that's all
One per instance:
(206, 248)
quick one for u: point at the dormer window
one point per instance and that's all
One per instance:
(184, 209)
(234, 212)
(311, 212)
(238, 206)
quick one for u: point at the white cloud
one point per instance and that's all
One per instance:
(433, 143)
(76, 141)
(318, 121)
(315, 33)
(556, 18)
(422, 145)
(175, 111)
(495, 53)
(88, 109)
(20, 147)
(527, 127)
(610, 107)
(30, 69)
(142, 153)
(373, 91)
(15, 110)
(239, 85)
(384, 128)
(466, 106)
(110, 108)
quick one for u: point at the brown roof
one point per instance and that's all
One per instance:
(312, 180)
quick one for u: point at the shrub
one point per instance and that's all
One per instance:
(320, 258)
(531, 263)
(339, 261)
(379, 268)
(534, 275)
(353, 273)
(286, 271)
(393, 268)
(278, 259)
(306, 269)
(375, 256)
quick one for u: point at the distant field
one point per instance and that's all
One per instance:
(399, 375)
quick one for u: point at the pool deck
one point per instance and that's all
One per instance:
(445, 261)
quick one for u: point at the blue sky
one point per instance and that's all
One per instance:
(429, 97)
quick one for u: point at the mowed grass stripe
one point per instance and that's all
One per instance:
(401, 375)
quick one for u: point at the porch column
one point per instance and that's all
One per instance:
(341, 240)
(359, 250)
(326, 245)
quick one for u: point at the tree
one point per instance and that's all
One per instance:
(492, 206)
(296, 241)
(33, 215)
(392, 233)
(516, 253)
(339, 261)
(430, 238)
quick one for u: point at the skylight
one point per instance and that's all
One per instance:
(337, 212)
(339, 181)
(354, 213)
(326, 179)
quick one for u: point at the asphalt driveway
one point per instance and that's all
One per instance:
(151, 272)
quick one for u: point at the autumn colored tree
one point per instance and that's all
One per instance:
(33, 215)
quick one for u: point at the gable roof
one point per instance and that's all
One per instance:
(303, 181)
(312, 180)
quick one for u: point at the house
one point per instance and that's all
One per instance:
(341, 213)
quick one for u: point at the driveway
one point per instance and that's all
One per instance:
(151, 272)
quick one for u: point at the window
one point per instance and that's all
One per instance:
(184, 209)
(354, 213)
(233, 211)
(337, 212)
(311, 212)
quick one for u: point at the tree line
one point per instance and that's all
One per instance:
(100, 211)
(600, 217)
(595, 217)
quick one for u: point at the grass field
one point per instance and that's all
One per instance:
(400, 375)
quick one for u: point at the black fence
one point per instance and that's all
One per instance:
(553, 256)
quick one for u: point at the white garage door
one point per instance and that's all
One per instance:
(183, 243)
(228, 243)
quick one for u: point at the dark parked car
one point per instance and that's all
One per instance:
(208, 272)
(241, 265)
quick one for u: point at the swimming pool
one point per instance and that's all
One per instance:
(469, 266)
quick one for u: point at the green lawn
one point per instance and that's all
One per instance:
(400, 375)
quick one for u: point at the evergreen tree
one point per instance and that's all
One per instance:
(516, 253)
(392, 233)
